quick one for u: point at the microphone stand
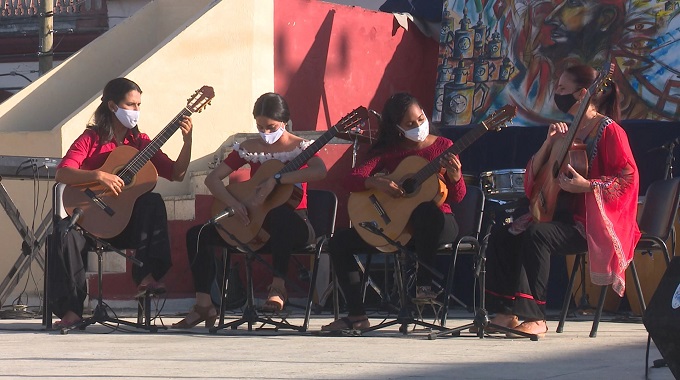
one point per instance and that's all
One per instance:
(100, 314)
(404, 316)
(249, 315)
(481, 319)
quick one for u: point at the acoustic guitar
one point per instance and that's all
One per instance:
(254, 235)
(567, 150)
(421, 183)
(105, 215)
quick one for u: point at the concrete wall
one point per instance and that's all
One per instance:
(170, 49)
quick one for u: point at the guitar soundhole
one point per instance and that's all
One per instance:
(409, 186)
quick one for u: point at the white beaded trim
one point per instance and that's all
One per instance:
(262, 157)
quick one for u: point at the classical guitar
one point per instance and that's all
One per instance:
(567, 150)
(254, 235)
(421, 183)
(105, 215)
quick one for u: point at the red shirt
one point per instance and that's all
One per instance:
(388, 162)
(235, 161)
(88, 153)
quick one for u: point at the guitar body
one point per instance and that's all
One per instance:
(253, 234)
(546, 184)
(95, 219)
(392, 214)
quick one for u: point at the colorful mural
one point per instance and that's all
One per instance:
(497, 52)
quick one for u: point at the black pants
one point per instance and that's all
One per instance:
(288, 230)
(518, 266)
(146, 233)
(431, 228)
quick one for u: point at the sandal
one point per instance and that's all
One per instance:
(530, 327)
(205, 313)
(345, 323)
(504, 321)
(276, 299)
(58, 325)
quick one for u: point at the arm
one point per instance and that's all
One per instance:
(617, 171)
(179, 168)
(555, 132)
(214, 183)
(74, 176)
(452, 178)
(69, 171)
(314, 171)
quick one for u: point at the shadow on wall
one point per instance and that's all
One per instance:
(413, 68)
(306, 84)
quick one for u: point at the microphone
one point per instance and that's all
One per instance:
(375, 113)
(77, 213)
(226, 213)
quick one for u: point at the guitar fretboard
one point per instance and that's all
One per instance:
(143, 156)
(433, 166)
(306, 154)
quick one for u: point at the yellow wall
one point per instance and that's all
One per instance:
(170, 48)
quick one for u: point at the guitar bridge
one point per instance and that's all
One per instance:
(378, 207)
(99, 202)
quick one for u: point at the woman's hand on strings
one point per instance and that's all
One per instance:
(573, 182)
(385, 185)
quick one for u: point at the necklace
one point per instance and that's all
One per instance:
(588, 126)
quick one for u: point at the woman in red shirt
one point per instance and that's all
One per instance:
(404, 131)
(288, 228)
(114, 124)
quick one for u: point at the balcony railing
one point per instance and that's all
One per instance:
(28, 8)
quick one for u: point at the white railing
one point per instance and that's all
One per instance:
(26, 8)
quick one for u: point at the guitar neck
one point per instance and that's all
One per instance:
(569, 137)
(143, 156)
(311, 150)
(460, 145)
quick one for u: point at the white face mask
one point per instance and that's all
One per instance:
(417, 134)
(272, 137)
(128, 118)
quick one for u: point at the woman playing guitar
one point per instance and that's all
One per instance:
(288, 227)
(404, 131)
(114, 125)
(595, 211)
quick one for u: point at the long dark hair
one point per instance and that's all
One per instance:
(393, 112)
(273, 106)
(606, 101)
(102, 120)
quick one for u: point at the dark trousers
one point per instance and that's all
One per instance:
(288, 230)
(146, 233)
(518, 266)
(431, 228)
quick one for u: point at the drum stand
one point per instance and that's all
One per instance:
(481, 319)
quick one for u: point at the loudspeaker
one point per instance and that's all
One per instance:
(662, 317)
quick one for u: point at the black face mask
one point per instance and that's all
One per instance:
(564, 102)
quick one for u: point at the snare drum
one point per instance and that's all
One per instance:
(503, 184)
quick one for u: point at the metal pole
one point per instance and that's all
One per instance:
(46, 36)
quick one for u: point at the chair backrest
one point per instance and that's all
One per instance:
(469, 212)
(660, 208)
(58, 211)
(322, 207)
